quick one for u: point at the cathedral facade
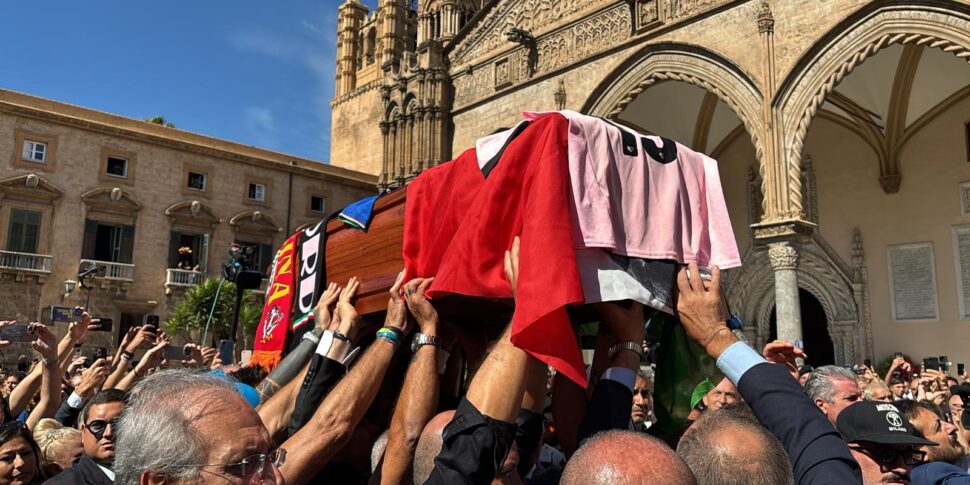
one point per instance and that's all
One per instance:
(842, 131)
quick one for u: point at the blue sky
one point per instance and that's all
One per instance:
(254, 72)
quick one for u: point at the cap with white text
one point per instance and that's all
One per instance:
(877, 422)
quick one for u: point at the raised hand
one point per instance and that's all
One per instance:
(145, 336)
(4, 323)
(79, 330)
(422, 309)
(397, 314)
(92, 379)
(321, 314)
(349, 319)
(151, 359)
(46, 343)
(195, 355)
(701, 310)
(784, 352)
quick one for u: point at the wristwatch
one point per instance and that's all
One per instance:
(631, 346)
(423, 339)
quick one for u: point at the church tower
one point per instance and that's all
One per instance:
(349, 19)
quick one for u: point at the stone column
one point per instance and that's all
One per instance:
(784, 260)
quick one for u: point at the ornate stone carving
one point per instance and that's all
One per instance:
(31, 181)
(782, 256)
(883, 27)
(548, 53)
(890, 183)
(791, 229)
(751, 293)
(534, 16)
(648, 14)
(766, 21)
(681, 9)
(560, 96)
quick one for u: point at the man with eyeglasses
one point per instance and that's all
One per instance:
(99, 420)
(882, 441)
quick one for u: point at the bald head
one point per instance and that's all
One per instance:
(729, 446)
(429, 445)
(625, 458)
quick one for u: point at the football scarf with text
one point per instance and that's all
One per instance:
(271, 334)
(311, 271)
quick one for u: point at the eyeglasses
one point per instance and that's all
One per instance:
(249, 466)
(99, 426)
(890, 456)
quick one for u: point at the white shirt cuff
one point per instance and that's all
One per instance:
(75, 401)
(622, 375)
(736, 360)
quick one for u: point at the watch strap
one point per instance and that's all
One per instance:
(631, 346)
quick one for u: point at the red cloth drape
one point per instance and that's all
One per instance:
(459, 224)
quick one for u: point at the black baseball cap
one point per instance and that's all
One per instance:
(877, 422)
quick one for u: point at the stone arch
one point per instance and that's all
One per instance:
(751, 296)
(940, 24)
(687, 63)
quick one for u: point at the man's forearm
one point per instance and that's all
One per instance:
(24, 392)
(415, 408)
(311, 448)
(496, 391)
(291, 368)
(276, 411)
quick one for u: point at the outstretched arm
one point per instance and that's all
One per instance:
(314, 445)
(419, 397)
(482, 432)
(50, 389)
(816, 450)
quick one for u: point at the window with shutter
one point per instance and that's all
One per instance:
(23, 231)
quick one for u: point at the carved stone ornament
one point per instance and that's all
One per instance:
(782, 256)
(766, 21)
(194, 208)
(890, 183)
(31, 181)
(115, 194)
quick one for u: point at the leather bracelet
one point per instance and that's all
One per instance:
(711, 338)
(127, 355)
(339, 336)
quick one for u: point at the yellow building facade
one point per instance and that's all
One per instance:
(841, 130)
(78, 186)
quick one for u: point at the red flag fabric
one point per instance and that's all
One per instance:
(458, 226)
(275, 323)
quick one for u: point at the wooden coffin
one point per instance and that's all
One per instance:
(376, 258)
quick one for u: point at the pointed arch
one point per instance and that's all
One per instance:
(687, 63)
(942, 24)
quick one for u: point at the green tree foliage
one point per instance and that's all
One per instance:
(187, 320)
(159, 120)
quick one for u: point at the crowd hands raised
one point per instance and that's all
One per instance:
(506, 419)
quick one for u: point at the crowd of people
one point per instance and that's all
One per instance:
(390, 407)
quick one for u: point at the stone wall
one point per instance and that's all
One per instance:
(355, 134)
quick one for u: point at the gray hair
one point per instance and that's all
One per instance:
(821, 382)
(156, 434)
(867, 392)
(715, 462)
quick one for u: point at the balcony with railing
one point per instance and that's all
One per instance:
(181, 279)
(120, 272)
(25, 264)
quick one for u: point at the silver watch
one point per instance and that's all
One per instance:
(423, 339)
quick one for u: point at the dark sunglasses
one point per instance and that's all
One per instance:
(891, 456)
(99, 426)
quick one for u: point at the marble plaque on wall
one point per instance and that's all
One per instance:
(912, 282)
(961, 257)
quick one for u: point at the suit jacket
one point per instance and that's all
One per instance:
(67, 415)
(816, 450)
(84, 471)
(939, 473)
(609, 408)
(320, 379)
